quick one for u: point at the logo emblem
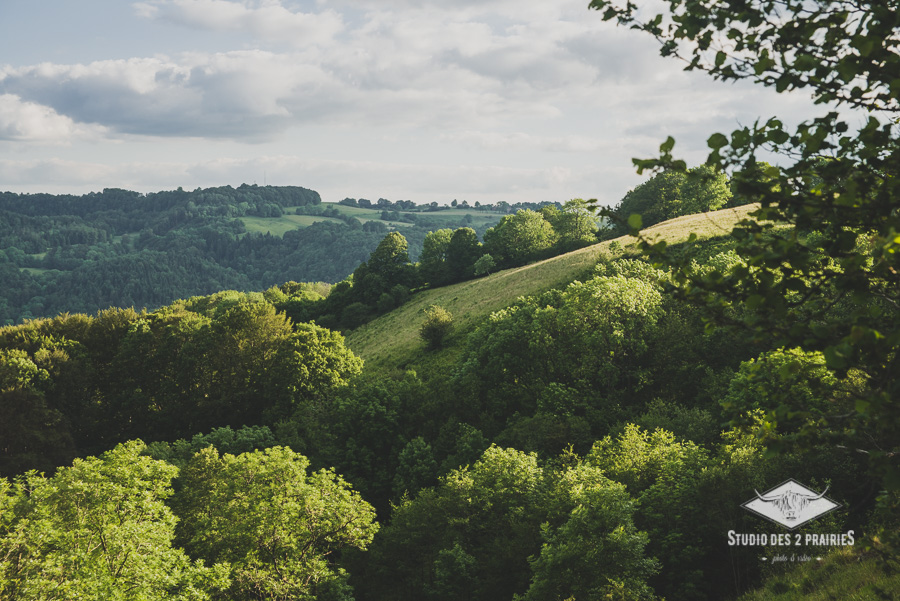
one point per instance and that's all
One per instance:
(790, 504)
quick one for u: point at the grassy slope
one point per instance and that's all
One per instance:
(844, 575)
(392, 340)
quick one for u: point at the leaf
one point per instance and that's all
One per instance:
(667, 146)
(635, 221)
(717, 141)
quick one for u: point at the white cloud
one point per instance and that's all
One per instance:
(518, 140)
(22, 121)
(268, 20)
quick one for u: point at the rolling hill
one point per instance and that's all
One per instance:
(392, 340)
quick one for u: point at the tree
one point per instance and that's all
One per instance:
(674, 193)
(519, 238)
(437, 325)
(433, 260)
(462, 252)
(827, 284)
(97, 530)
(596, 553)
(484, 265)
(277, 526)
(575, 224)
(478, 535)
(389, 262)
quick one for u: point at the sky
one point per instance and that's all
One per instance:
(478, 100)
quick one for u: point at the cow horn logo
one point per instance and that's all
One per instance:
(790, 504)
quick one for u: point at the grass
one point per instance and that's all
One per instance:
(846, 575)
(277, 226)
(392, 340)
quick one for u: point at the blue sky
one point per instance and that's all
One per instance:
(487, 100)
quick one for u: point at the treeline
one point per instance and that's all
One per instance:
(408, 205)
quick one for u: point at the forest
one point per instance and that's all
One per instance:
(119, 248)
(576, 403)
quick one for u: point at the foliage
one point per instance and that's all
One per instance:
(835, 292)
(437, 326)
(433, 260)
(225, 360)
(97, 530)
(484, 265)
(672, 194)
(575, 224)
(275, 525)
(593, 340)
(492, 516)
(596, 553)
(519, 238)
(463, 251)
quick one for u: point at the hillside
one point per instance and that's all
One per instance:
(66, 253)
(392, 340)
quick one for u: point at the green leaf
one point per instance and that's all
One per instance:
(717, 141)
(635, 221)
(667, 146)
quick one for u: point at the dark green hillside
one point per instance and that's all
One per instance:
(122, 248)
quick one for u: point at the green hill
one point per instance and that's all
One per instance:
(392, 340)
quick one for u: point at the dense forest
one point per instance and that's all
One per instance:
(121, 248)
(594, 438)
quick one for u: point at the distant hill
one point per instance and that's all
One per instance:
(67, 253)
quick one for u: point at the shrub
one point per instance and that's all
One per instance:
(438, 324)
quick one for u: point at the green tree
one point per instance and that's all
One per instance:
(416, 468)
(437, 326)
(595, 553)
(277, 526)
(506, 526)
(97, 530)
(463, 251)
(837, 292)
(575, 224)
(433, 260)
(674, 193)
(484, 265)
(390, 260)
(519, 238)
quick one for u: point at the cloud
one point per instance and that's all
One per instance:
(519, 140)
(264, 19)
(22, 121)
(232, 95)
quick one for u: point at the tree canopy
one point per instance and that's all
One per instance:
(829, 283)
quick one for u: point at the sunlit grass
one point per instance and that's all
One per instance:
(392, 340)
(277, 226)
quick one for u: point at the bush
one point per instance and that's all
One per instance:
(485, 265)
(438, 324)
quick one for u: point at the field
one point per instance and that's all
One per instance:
(451, 218)
(392, 339)
(277, 226)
